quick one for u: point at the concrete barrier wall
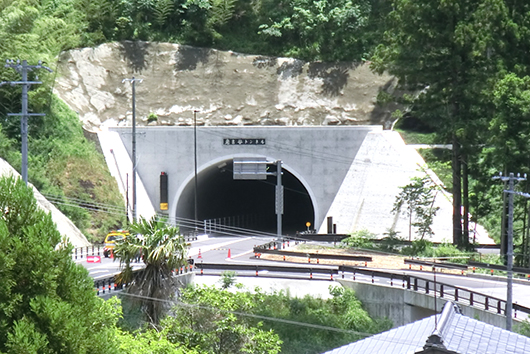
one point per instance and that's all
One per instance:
(404, 306)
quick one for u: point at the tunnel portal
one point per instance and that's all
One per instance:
(249, 204)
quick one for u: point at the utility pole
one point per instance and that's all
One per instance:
(195, 156)
(22, 69)
(279, 198)
(133, 82)
(511, 179)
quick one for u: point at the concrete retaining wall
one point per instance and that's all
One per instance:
(404, 306)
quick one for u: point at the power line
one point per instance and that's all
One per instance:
(271, 319)
(179, 221)
(246, 314)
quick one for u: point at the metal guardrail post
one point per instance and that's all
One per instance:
(426, 287)
(486, 305)
(470, 299)
(415, 284)
(456, 294)
(441, 290)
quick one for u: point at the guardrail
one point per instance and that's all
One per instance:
(108, 284)
(269, 268)
(405, 281)
(311, 255)
(447, 265)
(97, 249)
(518, 270)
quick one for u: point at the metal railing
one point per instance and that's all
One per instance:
(435, 288)
(108, 284)
(97, 249)
(409, 282)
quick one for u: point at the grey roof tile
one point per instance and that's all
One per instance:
(459, 333)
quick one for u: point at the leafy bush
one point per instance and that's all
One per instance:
(419, 248)
(359, 239)
(228, 278)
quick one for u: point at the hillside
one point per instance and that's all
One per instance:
(225, 88)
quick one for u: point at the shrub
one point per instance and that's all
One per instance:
(359, 239)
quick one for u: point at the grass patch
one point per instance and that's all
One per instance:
(69, 171)
(411, 137)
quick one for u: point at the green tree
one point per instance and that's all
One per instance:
(342, 313)
(149, 341)
(448, 54)
(418, 198)
(206, 321)
(319, 30)
(162, 249)
(47, 302)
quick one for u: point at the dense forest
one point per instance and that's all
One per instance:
(463, 66)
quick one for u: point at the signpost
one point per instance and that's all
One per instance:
(93, 259)
(255, 168)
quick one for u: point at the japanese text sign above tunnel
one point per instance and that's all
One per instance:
(250, 168)
(243, 141)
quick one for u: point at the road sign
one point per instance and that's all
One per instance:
(93, 259)
(254, 168)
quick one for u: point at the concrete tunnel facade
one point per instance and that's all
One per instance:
(350, 173)
(315, 161)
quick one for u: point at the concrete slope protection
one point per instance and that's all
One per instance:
(64, 225)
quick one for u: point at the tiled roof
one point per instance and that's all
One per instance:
(457, 333)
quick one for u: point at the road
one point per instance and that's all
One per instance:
(239, 249)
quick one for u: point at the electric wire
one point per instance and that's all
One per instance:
(180, 221)
(272, 319)
(246, 314)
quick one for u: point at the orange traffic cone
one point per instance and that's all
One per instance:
(229, 253)
(200, 255)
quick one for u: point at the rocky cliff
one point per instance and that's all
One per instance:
(221, 88)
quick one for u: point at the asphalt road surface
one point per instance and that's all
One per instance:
(239, 250)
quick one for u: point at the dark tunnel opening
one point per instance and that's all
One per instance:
(248, 204)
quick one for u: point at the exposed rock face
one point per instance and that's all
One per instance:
(224, 88)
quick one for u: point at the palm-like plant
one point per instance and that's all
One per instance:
(162, 250)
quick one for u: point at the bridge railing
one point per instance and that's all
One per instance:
(442, 290)
(410, 282)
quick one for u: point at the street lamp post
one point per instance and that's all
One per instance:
(133, 83)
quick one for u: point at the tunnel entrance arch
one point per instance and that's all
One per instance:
(223, 201)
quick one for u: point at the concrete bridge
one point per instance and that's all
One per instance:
(349, 173)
